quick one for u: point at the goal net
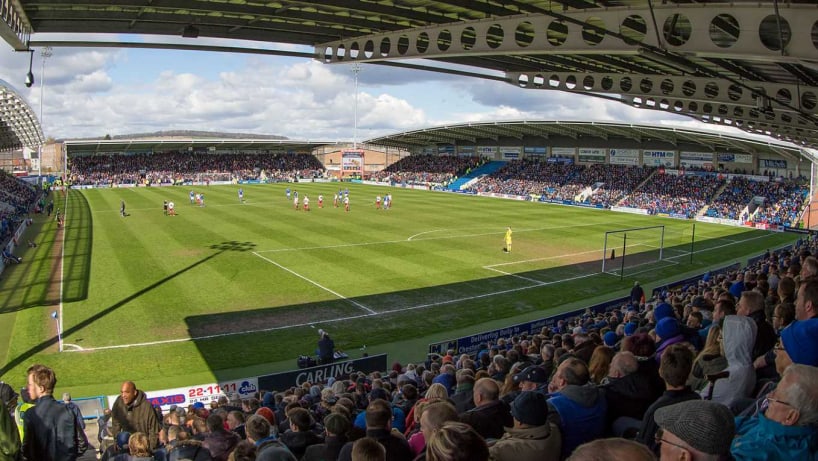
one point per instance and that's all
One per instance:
(625, 250)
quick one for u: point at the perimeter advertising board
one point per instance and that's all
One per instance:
(591, 155)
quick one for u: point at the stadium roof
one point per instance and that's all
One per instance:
(741, 63)
(584, 134)
(18, 125)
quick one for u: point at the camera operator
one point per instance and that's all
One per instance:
(326, 348)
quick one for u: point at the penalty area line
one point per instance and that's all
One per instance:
(335, 320)
(313, 282)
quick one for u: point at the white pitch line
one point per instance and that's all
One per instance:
(328, 290)
(389, 242)
(353, 317)
(490, 266)
(513, 275)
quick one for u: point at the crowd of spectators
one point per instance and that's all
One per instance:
(616, 181)
(531, 177)
(722, 367)
(16, 199)
(184, 167)
(427, 169)
(682, 195)
(782, 200)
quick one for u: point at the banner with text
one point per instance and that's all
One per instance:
(666, 158)
(205, 393)
(624, 157)
(287, 379)
(563, 151)
(735, 158)
(471, 344)
(589, 155)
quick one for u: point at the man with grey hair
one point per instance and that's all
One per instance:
(628, 393)
(784, 426)
(82, 438)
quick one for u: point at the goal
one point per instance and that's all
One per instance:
(626, 249)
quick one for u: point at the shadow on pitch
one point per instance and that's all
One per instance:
(50, 342)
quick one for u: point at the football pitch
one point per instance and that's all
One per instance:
(236, 289)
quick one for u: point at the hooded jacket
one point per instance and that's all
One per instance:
(579, 412)
(739, 335)
(760, 438)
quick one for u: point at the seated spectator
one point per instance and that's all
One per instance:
(139, 448)
(611, 449)
(433, 415)
(398, 418)
(379, 427)
(336, 427)
(785, 430)
(490, 414)
(532, 438)
(463, 397)
(300, 436)
(268, 448)
(738, 338)
(456, 442)
(674, 369)
(368, 449)
(533, 378)
(578, 409)
(627, 393)
(695, 430)
(668, 333)
(710, 360)
(219, 441)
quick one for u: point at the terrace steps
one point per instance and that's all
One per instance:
(482, 170)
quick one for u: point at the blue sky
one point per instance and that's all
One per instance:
(91, 92)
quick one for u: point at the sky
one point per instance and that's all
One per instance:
(93, 92)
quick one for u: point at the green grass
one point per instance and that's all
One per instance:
(249, 283)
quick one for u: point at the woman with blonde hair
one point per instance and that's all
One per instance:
(435, 392)
(139, 448)
(600, 363)
(711, 360)
(456, 441)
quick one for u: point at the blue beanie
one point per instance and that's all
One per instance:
(667, 328)
(610, 339)
(661, 311)
(800, 340)
(630, 328)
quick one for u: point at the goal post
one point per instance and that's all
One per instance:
(627, 248)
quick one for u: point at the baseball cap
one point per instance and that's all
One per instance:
(533, 373)
(704, 425)
(530, 408)
(800, 340)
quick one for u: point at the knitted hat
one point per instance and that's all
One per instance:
(630, 328)
(800, 340)
(704, 425)
(530, 408)
(267, 414)
(668, 327)
(661, 311)
(533, 373)
(336, 423)
(610, 339)
(198, 406)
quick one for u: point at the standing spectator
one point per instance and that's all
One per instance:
(9, 434)
(218, 441)
(132, 412)
(82, 439)
(532, 438)
(695, 430)
(490, 414)
(50, 428)
(326, 348)
(637, 294)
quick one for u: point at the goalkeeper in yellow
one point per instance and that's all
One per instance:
(507, 239)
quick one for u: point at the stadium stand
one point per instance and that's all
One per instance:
(181, 167)
(427, 169)
(17, 198)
